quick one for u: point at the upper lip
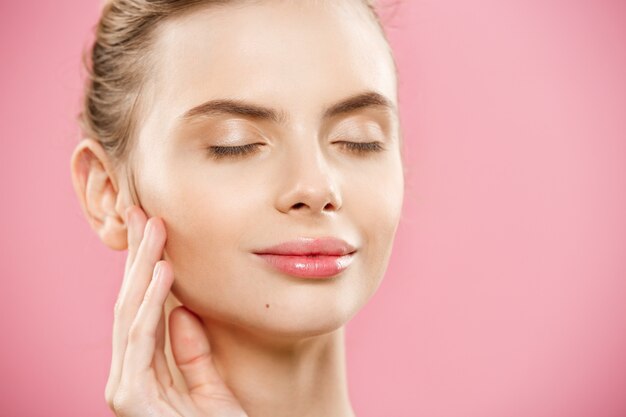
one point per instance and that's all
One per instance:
(310, 246)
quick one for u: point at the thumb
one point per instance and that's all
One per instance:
(192, 354)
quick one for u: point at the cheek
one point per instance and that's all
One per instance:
(205, 221)
(377, 202)
(376, 208)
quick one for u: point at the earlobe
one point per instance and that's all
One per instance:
(95, 185)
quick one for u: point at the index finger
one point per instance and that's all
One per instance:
(135, 225)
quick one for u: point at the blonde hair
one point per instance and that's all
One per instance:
(118, 60)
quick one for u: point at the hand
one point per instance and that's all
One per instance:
(140, 383)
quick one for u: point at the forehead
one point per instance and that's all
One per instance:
(293, 55)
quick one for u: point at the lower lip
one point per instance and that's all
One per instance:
(321, 266)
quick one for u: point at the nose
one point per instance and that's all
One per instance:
(308, 183)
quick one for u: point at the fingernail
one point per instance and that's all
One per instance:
(157, 270)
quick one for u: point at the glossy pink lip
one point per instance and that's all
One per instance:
(310, 246)
(310, 257)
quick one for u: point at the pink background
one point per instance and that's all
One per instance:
(505, 295)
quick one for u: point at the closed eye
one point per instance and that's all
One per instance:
(221, 152)
(362, 147)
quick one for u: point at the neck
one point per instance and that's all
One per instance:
(305, 377)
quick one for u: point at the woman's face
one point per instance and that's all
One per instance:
(299, 59)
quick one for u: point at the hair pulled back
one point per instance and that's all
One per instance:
(118, 61)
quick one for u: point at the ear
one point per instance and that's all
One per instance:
(98, 191)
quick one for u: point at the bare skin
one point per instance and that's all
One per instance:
(140, 382)
(273, 345)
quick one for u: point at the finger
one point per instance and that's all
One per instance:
(135, 224)
(160, 362)
(137, 279)
(148, 253)
(164, 376)
(143, 331)
(133, 289)
(192, 354)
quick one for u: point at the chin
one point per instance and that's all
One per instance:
(295, 321)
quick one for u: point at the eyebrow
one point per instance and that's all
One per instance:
(353, 103)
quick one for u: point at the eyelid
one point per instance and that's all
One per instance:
(219, 152)
(363, 147)
(236, 152)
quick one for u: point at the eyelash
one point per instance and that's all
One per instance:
(220, 152)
